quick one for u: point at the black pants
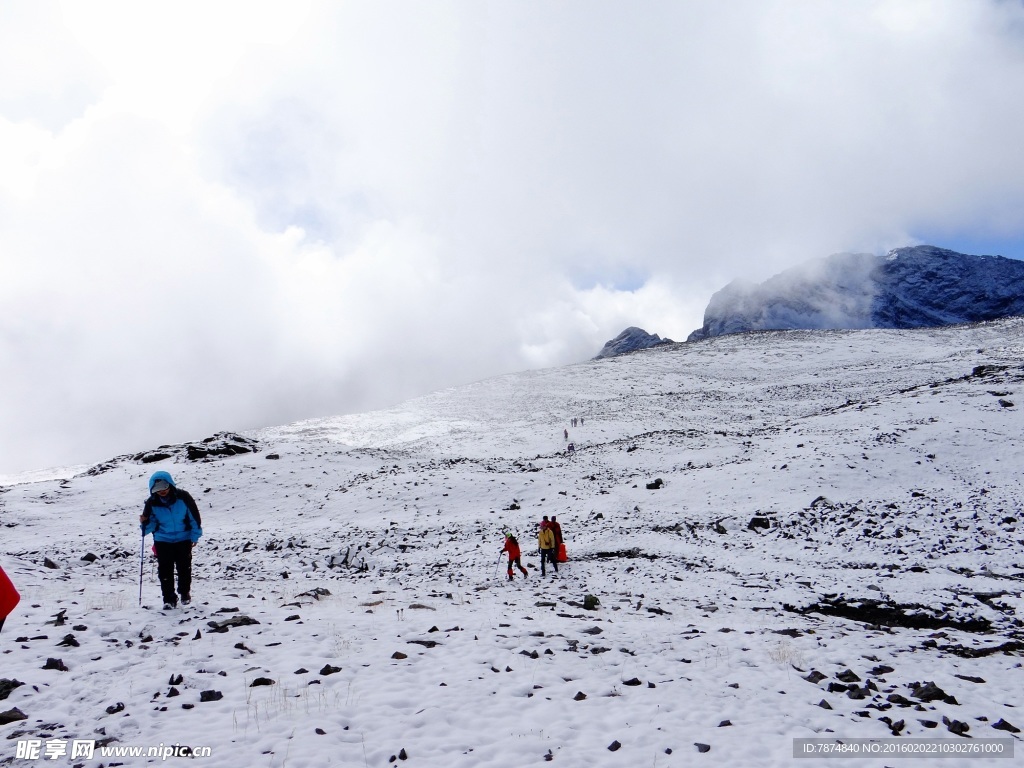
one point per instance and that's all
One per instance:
(171, 557)
(548, 555)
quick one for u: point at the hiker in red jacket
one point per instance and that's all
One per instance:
(556, 528)
(512, 547)
(9, 597)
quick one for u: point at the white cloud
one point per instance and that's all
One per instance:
(222, 216)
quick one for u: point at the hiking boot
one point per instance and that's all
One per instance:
(186, 599)
(169, 606)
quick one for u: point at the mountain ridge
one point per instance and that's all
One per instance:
(913, 287)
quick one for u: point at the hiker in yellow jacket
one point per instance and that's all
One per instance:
(546, 542)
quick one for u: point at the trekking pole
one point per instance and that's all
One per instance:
(498, 564)
(142, 562)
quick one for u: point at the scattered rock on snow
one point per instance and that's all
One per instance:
(955, 726)
(234, 621)
(12, 715)
(929, 691)
(1002, 725)
(6, 686)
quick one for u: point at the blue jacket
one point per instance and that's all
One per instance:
(174, 518)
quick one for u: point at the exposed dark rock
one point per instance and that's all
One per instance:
(631, 553)
(702, 747)
(329, 670)
(615, 746)
(234, 621)
(113, 709)
(261, 681)
(151, 456)
(655, 484)
(970, 678)
(956, 726)
(891, 615)
(1011, 646)
(929, 691)
(57, 664)
(8, 685)
(898, 700)
(630, 340)
(210, 696)
(758, 522)
(217, 446)
(1002, 725)
(11, 715)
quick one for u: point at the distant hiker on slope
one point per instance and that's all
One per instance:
(546, 542)
(172, 516)
(512, 547)
(566, 431)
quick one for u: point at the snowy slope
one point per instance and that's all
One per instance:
(837, 524)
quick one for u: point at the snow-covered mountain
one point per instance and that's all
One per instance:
(916, 287)
(630, 340)
(790, 535)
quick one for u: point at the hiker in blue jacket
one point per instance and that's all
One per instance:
(172, 516)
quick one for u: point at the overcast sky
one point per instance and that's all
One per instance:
(228, 215)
